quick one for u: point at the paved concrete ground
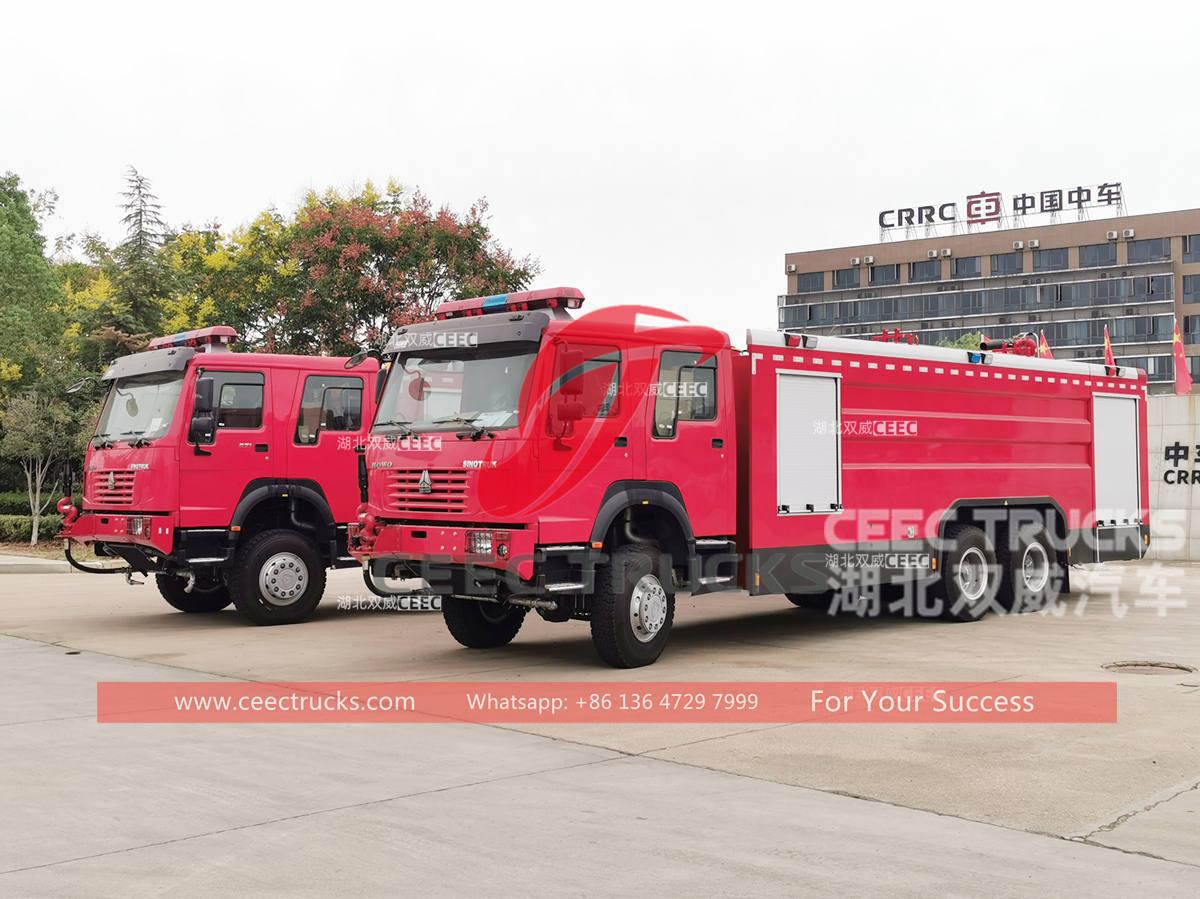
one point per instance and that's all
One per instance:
(595, 809)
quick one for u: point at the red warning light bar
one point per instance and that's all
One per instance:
(218, 335)
(550, 298)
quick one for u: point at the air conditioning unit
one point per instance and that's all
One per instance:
(1017, 245)
(791, 268)
(854, 260)
(868, 260)
(1127, 233)
(946, 252)
(1034, 244)
(932, 254)
(1112, 235)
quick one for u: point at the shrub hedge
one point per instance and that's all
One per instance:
(18, 528)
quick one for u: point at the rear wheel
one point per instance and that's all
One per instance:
(481, 625)
(817, 602)
(970, 576)
(1032, 574)
(210, 596)
(278, 578)
(633, 608)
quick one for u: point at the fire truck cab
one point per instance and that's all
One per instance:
(588, 468)
(229, 476)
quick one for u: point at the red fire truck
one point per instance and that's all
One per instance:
(230, 476)
(589, 468)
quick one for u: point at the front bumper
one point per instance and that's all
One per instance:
(439, 545)
(114, 527)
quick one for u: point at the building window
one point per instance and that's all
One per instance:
(925, 270)
(1191, 329)
(1191, 288)
(810, 282)
(966, 267)
(1050, 260)
(845, 277)
(1097, 254)
(1191, 248)
(1008, 263)
(885, 274)
(1153, 249)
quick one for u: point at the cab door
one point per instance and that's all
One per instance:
(215, 467)
(326, 424)
(690, 436)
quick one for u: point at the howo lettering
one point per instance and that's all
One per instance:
(229, 476)
(589, 468)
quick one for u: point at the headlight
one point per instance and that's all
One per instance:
(479, 543)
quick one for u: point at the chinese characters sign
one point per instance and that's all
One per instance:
(987, 207)
(1178, 456)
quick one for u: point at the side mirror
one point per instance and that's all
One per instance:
(204, 398)
(572, 373)
(204, 422)
(359, 358)
(570, 412)
(79, 385)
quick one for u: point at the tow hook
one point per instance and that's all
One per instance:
(191, 582)
(130, 581)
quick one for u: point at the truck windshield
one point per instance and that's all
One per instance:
(140, 407)
(451, 391)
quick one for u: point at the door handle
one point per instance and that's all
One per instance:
(260, 447)
(621, 441)
(718, 443)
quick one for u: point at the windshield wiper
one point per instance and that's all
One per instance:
(106, 441)
(141, 440)
(462, 419)
(405, 430)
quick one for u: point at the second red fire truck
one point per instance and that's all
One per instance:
(589, 468)
(228, 476)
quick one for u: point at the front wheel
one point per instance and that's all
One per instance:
(481, 625)
(633, 608)
(212, 596)
(278, 578)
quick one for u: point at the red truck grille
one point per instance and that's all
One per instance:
(445, 490)
(111, 488)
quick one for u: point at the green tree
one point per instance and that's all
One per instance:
(42, 430)
(966, 342)
(137, 267)
(30, 296)
(371, 262)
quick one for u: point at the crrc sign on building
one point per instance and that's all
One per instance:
(989, 207)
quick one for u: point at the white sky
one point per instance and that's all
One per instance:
(664, 155)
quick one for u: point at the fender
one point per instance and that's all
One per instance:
(620, 495)
(260, 491)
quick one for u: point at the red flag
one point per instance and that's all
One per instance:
(1044, 347)
(1183, 377)
(1108, 356)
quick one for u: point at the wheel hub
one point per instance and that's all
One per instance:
(648, 608)
(972, 574)
(283, 579)
(1035, 567)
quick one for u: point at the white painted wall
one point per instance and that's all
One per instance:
(1174, 507)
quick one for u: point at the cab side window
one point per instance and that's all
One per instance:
(686, 391)
(239, 399)
(590, 375)
(328, 403)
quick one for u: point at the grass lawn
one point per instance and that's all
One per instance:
(45, 549)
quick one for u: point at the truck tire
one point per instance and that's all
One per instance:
(1032, 575)
(970, 576)
(481, 625)
(817, 602)
(210, 598)
(632, 609)
(278, 578)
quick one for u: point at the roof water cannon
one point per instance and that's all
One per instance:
(212, 340)
(1023, 344)
(895, 335)
(556, 298)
